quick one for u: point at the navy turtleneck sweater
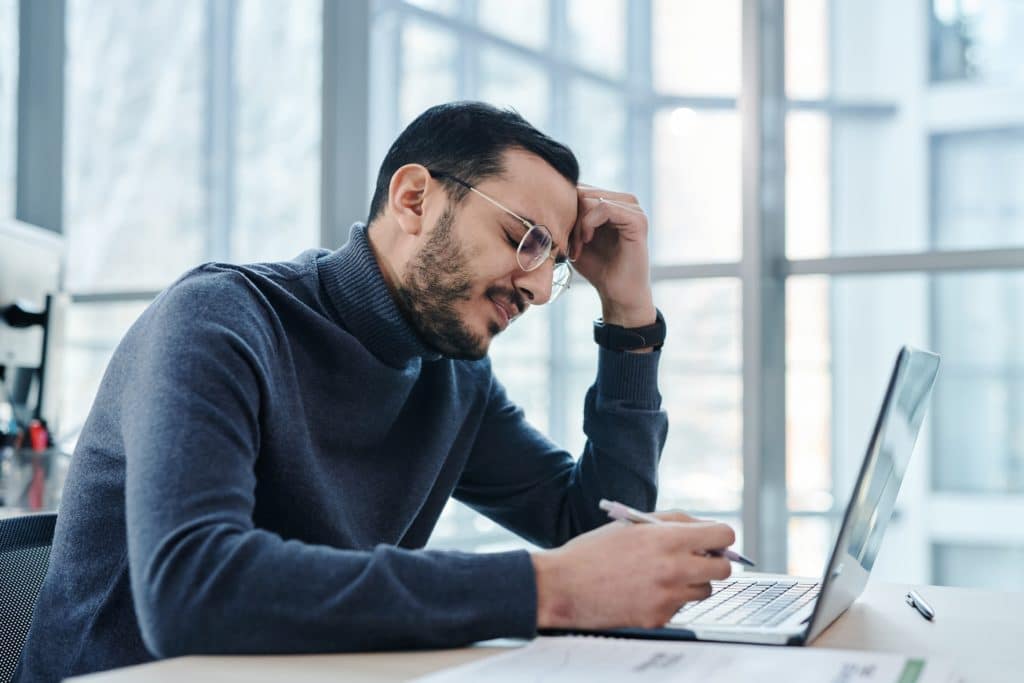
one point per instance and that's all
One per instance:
(269, 450)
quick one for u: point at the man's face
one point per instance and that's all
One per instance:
(464, 285)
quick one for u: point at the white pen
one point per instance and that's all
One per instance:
(625, 513)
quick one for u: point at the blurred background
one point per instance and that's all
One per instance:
(825, 180)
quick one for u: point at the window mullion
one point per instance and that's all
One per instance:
(345, 118)
(762, 111)
(41, 75)
(559, 361)
(219, 138)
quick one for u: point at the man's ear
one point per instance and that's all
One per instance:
(406, 193)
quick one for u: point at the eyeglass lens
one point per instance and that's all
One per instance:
(534, 249)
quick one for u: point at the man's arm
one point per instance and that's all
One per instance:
(518, 477)
(204, 579)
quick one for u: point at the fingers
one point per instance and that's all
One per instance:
(634, 208)
(591, 192)
(703, 569)
(701, 534)
(597, 212)
(676, 516)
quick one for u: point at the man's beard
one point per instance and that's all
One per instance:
(435, 280)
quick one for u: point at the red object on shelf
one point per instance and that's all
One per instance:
(38, 437)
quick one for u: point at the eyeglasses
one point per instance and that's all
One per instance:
(535, 246)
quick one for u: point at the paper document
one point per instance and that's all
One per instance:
(612, 660)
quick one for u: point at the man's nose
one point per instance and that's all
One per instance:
(535, 285)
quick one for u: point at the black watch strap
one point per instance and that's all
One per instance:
(618, 338)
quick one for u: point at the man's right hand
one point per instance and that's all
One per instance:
(629, 575)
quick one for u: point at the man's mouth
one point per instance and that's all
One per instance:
(507, 312)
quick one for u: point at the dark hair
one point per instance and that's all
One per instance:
(467, 140)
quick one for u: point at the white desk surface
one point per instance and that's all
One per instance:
(981, 631)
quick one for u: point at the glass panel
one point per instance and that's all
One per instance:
(842, 338)
(278, 130)
(93, 332)
(977, 40)
(428, 73)
(523, 21)
(978, 195)
(701, 467)
(697, 192)
(855, 187)
(507, 80)
(578, 308)
(807, 185)
(8, 103)
(807, 58)
(808, 395)
(598, 141)
(872, 48)
(859, 183)
(979, 399)
(696, 48)
(134, 203)
(597, 35)
(978, 566)
(461, 528)
(520, 360)
(810, 542)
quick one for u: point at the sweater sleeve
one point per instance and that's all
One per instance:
(204, 579)
(520, 479)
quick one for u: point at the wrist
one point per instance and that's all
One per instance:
(628, 316)
(553, 606)
(636, 339)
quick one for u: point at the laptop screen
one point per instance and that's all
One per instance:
(874, 495)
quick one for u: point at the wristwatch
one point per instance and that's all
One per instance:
(618, 338)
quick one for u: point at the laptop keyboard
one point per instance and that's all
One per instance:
(741, 602)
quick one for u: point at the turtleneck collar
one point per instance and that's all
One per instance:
(352, 280)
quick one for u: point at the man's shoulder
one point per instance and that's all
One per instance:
(220, 297)
(215, 285)
(208, 288)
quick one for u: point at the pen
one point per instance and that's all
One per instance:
(918, 603)
(627, 514)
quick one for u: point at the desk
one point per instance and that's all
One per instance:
(982, 631)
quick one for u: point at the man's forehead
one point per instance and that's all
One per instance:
(537, 192)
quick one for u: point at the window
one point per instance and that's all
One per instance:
(134, 208)
(977, 197)
(869, 176)
(187, 141)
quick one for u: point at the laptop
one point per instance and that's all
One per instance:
(785, 610)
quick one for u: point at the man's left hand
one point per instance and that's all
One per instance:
(609, 249)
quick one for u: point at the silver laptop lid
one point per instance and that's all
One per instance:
(874, 495)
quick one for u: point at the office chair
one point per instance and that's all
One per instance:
(24, 556)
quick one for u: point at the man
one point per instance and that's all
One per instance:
(272, 444)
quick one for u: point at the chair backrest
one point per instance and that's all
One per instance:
(24, 556)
